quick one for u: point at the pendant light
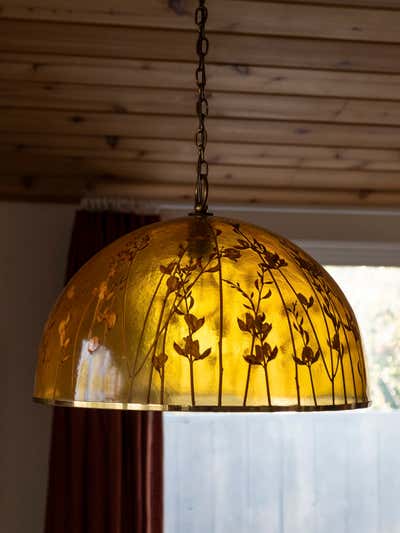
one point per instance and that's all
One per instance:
(202, 313)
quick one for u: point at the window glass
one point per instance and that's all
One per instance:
(293, 472)
(374, 294)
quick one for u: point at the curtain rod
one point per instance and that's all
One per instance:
(123, 205)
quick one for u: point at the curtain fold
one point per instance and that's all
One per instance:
(105, 472)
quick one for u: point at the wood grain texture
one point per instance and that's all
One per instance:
(174, 75)
(374, 4)
(268, 155)
(36, 166)
(304, 99)
(71, 190)
(227, 16)
(172, 45)
(181, 128)
(122, 100)
(166, 150)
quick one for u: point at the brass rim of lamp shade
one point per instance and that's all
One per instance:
(202, 408)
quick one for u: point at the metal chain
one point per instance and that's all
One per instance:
(201, 194)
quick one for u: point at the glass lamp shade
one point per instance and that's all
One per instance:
(202, 313)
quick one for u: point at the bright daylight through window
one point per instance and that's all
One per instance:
(294, 472)
(374, 294)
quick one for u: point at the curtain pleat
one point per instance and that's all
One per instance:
(105, 472)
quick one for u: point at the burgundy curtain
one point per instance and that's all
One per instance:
(105, 466)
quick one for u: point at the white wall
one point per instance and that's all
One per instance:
(34, 240)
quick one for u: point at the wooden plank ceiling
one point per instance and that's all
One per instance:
(97, 97)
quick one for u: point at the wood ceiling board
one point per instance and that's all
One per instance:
(306, 108)
(165, 150)
(181, 128)
(226, 16)
(131, 43)
(72, 190)
(168, 74)
(142, 100)
(375, 4)
(63, 167)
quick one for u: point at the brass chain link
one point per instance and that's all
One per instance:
(201, 194)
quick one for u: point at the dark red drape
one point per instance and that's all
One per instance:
(105, 466)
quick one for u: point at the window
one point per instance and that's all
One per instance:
(374, 293)
(288, 472)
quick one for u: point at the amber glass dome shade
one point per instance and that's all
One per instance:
(202, 313)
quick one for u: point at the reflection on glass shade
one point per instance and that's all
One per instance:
(202, 313)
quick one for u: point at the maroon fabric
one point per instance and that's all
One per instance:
(105, 466)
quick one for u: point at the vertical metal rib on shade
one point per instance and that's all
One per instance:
(202, 313)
